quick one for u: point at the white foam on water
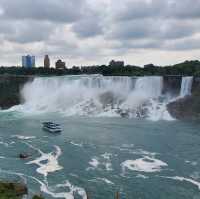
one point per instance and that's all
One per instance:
(104, 161)
(145, 164)
(106, 156)
(127, 145)
(48, 162)
(94, 162)
(74, 175)
(107, 161)
(105, 180)
(159, 111)
(182, 179)
(68, 195)
(2, 157)
(142, 152)
(21, 137)
(142, 176)
(4, 144)
(193, 163)
(95, 95)
(76, 144)
(195, 175)
(108, 166)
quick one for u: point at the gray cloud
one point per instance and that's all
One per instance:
(50, 10)
(89, 26)
(187, 9)
(149, 28)
(94, 29)
(26, 31)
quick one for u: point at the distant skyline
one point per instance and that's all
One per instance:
(87, 32)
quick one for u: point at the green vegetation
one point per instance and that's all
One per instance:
(185, 68)
(37, 197)
(12, 190)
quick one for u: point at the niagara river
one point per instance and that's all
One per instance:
(118, 136)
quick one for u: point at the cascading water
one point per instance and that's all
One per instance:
(97, 96)
(186, 86)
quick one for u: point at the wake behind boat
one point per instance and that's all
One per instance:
(52, 127)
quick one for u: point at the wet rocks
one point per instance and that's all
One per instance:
(10, 86)
(172, 84)
(186, 108)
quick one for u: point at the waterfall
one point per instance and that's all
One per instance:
(151, 86)
(95, 95)
(186, 86)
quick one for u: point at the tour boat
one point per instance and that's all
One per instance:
(51, 127)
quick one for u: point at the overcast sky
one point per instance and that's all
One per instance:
(85, 32)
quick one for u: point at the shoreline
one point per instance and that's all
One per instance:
(13, 190)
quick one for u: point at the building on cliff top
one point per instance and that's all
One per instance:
(114, 63)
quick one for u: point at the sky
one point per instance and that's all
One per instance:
(89, 32)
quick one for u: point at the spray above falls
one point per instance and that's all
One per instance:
(96, 95)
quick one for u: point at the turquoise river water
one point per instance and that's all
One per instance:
(139, 157)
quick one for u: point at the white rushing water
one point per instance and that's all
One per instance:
(186, 86)
(96, 95)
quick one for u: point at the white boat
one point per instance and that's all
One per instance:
(51, 127)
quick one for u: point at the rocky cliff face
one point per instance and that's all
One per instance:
(188, 107)
(10, 89)
(172, 84)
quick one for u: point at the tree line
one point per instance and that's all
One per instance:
(187, 68)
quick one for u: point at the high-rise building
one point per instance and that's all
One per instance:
(28, 61)
(46, 61)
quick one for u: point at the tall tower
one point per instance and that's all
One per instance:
(46, 61)
(28, 61)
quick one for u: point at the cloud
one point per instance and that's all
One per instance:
(89, 26)
(50, 10)
(149, 28)
(86, 31)
(26, 31)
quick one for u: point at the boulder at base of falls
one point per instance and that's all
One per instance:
(186, 108)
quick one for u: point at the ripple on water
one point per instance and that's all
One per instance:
(183, 179)
(21, 137)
